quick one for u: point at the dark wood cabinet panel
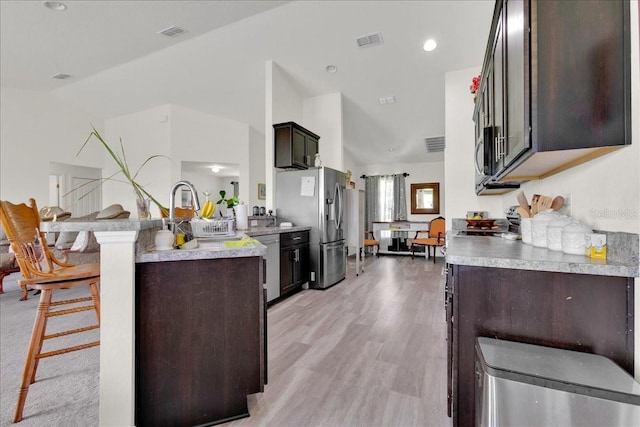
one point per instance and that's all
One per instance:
(582, 88)
(294, 261)
(199, 341)
(571, 311)
(295, 146)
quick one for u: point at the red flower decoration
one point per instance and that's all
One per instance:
(475, 84)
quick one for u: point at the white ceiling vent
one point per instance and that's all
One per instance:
(434, 144)
(374, 39)
(61, 76)
(172, 31)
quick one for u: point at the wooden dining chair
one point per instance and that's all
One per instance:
(41, 270)
(371, 242)
(435, 237)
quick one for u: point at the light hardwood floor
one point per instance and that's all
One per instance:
(369, 351)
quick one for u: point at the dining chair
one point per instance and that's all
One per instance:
(435, 237)
(41, 270)
(371, 242)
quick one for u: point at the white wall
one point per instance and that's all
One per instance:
(256, 167)
(143, 134)
(282, 104)
(181, 134)
(323, 116)
(357, 170)
(37, 128)
(418, 173)
(459, 170)
(201, 137)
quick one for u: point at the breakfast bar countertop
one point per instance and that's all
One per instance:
(498, 252)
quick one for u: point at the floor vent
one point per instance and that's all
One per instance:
(172, 31)
(374, 39)
(434, 144)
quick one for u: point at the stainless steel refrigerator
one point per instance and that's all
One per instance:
(315, 198)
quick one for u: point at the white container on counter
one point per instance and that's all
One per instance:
(539, 227)
(242, 217)
(525, 230)
(573, 238)
(163, 240)
(554, 232)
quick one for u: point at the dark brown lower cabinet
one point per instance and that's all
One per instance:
(294, 261)
(199, 340)
(571, 311)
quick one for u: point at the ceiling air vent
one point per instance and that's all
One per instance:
(172, 31)
(434, 144)
(61, 76)
(374, 39)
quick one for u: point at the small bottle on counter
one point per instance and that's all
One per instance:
(598, 246)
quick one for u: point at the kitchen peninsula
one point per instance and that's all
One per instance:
(508, 290)
(215, 291)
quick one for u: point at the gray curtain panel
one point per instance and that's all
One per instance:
(399, 198)
(385, 199)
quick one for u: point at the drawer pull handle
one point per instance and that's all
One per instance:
(297, 238)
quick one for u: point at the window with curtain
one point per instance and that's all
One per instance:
(385, 199)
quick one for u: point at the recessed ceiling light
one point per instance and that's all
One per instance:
(55, 5)
(215, 169)
(331, 68)
(430, 45)
(392, 149)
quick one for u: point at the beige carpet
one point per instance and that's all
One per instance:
(66, 391)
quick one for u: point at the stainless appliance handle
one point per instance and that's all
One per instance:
(340, 201)
(336, 199)
(479, 144)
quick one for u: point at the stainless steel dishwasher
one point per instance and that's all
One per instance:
(272, 242)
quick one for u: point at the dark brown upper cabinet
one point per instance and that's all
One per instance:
(295, 146)
(557, 85)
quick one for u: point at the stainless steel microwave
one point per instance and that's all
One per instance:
(485, 182)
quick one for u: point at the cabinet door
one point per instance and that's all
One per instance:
(301, 265)
(515, 34)
(286, 269)
(581, 79)
(498, 101)
(298, 150)
(311, 150)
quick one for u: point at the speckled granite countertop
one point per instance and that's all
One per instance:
(498, 252)
(207, 249)
(145, 251)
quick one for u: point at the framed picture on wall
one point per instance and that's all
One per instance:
(262, 191)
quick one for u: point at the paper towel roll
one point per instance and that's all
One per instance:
(242, 218)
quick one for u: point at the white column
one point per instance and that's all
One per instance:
(117, 333)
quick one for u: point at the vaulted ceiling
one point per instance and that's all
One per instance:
(119, 64)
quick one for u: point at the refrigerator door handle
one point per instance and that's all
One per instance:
(336, 197)
(339, 191)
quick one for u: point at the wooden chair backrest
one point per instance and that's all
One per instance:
(437, 227)
(21, 223)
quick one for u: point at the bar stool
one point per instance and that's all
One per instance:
(21, 223)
